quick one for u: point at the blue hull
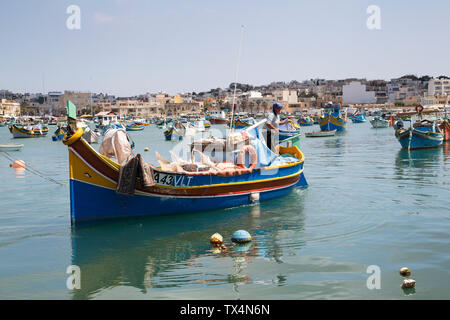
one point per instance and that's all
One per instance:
(330, 127)
(419, 140)
(106, 203)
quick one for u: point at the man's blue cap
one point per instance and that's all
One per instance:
(277, 105)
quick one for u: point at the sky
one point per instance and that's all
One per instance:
(130, 47)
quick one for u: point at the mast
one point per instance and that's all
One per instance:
(235, 79)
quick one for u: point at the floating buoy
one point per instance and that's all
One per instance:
(408, 283)
(216, 239)
(146, 149)
(18, 164)
(241, 236)
(405, 272)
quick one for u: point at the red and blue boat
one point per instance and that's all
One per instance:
(94, 179)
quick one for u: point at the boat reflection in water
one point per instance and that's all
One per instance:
(174, 251)
(425, 158)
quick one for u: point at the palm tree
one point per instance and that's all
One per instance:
(258, 104)
(264, 105)
(251, 105)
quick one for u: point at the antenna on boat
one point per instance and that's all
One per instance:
(235, 78)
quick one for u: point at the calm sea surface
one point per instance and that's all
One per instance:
(368, 203)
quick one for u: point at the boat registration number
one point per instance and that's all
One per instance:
(172, 180)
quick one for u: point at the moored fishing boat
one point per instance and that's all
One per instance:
(59, 133)
(134, 127)
(423, 134)
(359, 118)
(243, 123)
(28, 131)
(287, 130)
(332, 118)
(379, 122)
(218, 117)
(445, 128)
(305, 121)
(94, 179)
(319, 134)
(10, 147)
(175, 131)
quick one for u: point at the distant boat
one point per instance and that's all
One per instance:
(319, 134)
(28, 132)
(288, 130)
(445, 127)
(421, 135)
(218, 117)
(360, 118)
(134, 127)
(10, 147)
(305, 121)
(332, 118)
(175, 131)
(379, 122)
(243, 123)
(59, 134)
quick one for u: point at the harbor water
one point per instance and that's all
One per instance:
(369, 206)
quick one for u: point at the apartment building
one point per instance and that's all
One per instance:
(439, 86)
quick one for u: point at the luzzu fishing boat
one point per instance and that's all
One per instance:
(59, 133)
(175, 132)
(423, 134)
(332, 119)
(288, 130)
(94, 179)
(134, 127)
(243, 123)
(28, 131)
(305, 122)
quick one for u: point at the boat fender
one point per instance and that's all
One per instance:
(405, 272)
(253, 156)
(18, 164)
(241, 236)
(408, 283)
(216, 239)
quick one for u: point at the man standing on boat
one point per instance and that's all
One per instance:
(272, 124)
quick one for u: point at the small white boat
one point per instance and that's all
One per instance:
(378, 122)
(10, 147)
(319, 134)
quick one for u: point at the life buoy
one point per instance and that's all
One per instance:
(253, 156)
(419, 108)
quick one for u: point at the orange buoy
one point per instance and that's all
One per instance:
(18, 164)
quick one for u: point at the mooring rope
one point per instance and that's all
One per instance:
(32, 170)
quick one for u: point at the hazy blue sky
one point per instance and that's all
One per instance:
(128, 47)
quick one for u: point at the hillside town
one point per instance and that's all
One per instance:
(308, 96)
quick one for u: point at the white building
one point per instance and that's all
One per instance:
(439, 86)
(355, 92)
